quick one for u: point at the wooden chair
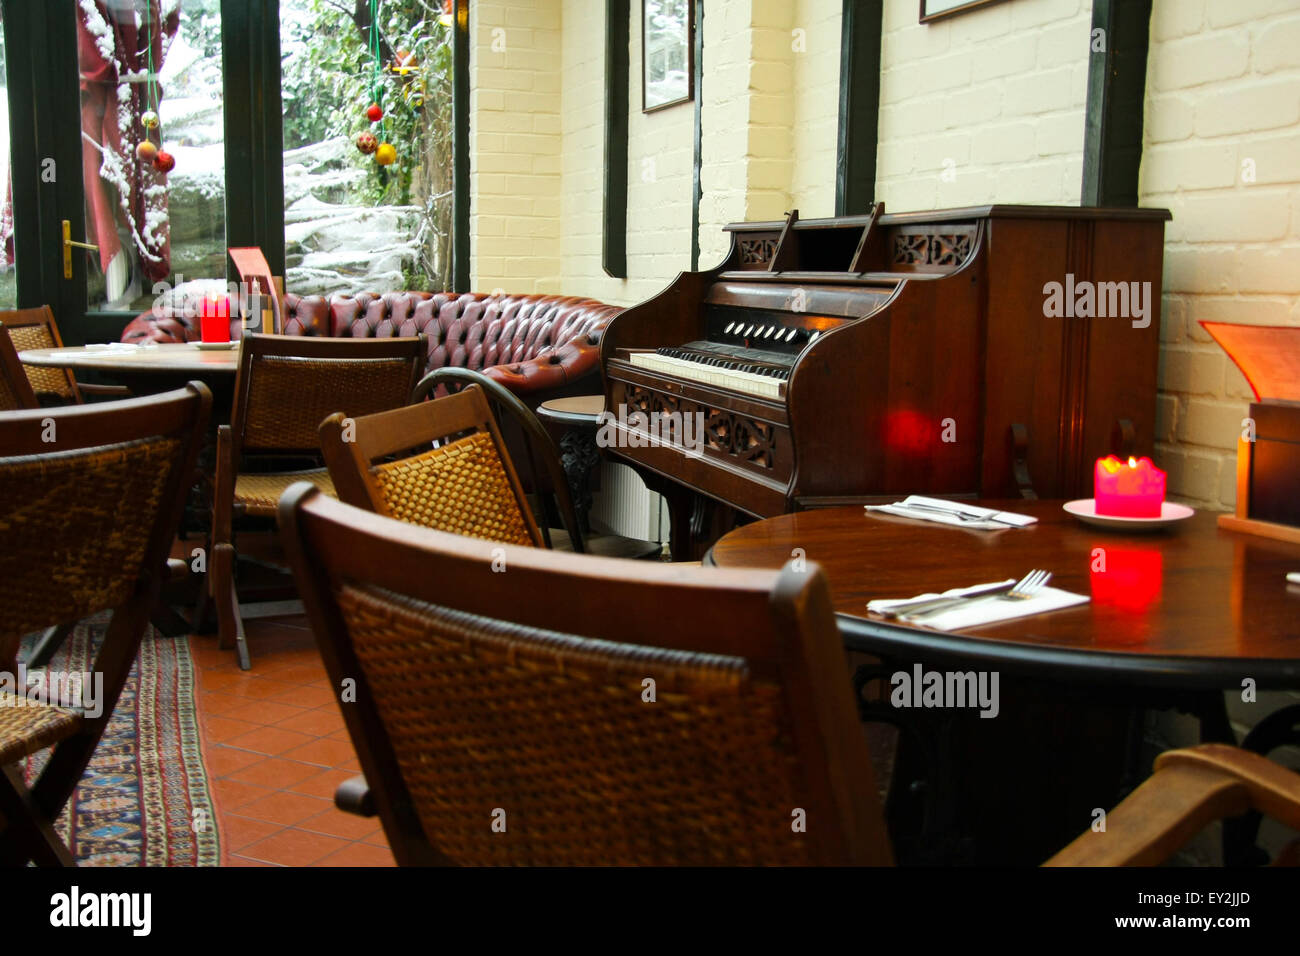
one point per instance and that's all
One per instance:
(87, 521)
(386, 463)
(36, 329)
(284, 388)
(516, 705)
(536, 454)
(1190, 789)
(15, 390)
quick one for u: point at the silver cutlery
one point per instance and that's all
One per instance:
(920, 604)
(954, 512)
(1025, 588)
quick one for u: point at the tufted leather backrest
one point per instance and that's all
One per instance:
(469, 330)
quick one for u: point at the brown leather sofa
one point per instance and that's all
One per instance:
(532, 344)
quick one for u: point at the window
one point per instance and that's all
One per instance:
(153, 143)
(368, 204)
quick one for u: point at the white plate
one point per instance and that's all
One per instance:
(214, 346)
(1085, 509)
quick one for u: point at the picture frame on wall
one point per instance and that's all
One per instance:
(938, 9)
(667, 53)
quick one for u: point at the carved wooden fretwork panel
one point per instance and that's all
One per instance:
(725, 433)
(757, 252)
(945, 250)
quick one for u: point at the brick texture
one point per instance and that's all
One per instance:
(1222, 152)
(987, 106)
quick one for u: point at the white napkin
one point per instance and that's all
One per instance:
(986, 610)
(992, 520)
(120, 346)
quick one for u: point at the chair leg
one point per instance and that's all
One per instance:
(199, 621)
(230, 625)
(27, 835)
(49, 645)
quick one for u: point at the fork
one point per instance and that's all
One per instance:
(932, 509)
(1025, 588)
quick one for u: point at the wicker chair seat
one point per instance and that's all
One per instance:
(27, 726)
(260, 494)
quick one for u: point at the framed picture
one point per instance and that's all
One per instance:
(936, 9)
(667, 53)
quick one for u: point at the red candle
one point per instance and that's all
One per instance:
(1132, 489)
(214, 320)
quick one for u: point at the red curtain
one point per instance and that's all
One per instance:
(115, 53)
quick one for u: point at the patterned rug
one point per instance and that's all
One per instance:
(144, 800)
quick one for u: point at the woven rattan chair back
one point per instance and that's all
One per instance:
(523, 706)
(288, 384)
(523, 439)
(440, 464)
(90, 499)
(36, 329)
(15, 390)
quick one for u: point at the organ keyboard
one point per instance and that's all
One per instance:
(841, 359)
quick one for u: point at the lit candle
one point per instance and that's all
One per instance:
(1132, 489)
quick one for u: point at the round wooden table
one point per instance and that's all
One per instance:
(1177, 617)
(145, 370)
(1187, 606)
(573, 422)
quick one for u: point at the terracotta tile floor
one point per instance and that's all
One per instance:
(276, 749)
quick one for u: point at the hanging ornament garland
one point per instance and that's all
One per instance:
(147, 151)
(368, 142)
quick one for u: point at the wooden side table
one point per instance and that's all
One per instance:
(573, 422)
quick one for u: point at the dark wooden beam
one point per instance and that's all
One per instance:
(855, 161)
(250, 36)
(460, 149)
(613, 253)
(696, 192)
(45, 152)
(1117, 74)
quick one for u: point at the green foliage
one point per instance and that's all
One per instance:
(330, 77)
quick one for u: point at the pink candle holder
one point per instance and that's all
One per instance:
(1131, 489)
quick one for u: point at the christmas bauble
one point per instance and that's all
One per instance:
(385, 154)
(146, 152)
(164, 162)
(375, 112)
(149, 119)
(367, 143)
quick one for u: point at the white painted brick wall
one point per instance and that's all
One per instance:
(987, 106)
(515, 182)
(1222, 108)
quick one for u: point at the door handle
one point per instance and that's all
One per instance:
(68, 243)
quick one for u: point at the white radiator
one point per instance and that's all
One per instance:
(625, 506)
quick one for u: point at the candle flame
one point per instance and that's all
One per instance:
(1132, 462)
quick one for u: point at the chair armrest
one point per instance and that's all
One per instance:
(119, 391)
(1189, 789)
(353, 796)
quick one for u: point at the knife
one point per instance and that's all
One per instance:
(924, 604)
